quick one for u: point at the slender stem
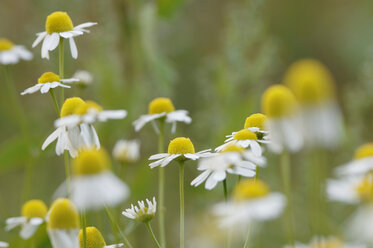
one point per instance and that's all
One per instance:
(116, 228)
(225, 190)
(55, 102)
(61, 69)
(67, 173)
(257, 172)
(84, 228)
(181, 182)
(161, 182)
(152, 234)
(246, 245)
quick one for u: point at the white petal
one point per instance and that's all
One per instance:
(32, 89)
(54, 41)
(85, 25)
(40, 37)
(158, 156)
(73, 49)
(45, 88)
(52, 137)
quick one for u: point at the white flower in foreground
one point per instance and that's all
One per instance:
(33, 215)
(93, 184)
(12, 54)
(179, 149)
(85, 78)
(127, 151)
(4, 244)
(362, 163)
(48, 81)
(283, 121)
(162, 108)
(94, 239)
(63, 224)
(327, 242)
(252, 202)
(58, 27)
(233, 160)
(142, 213)
(314, 87)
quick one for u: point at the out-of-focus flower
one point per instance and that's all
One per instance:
(63, 224)
(283, 122)
(252, 202)
(362, 163)
(59, 26)
(93, 184)
(233, 160)
(127, 151)
(32, 216)
(179, 149)
(314, 87)
(327, 242)
(12, 54)
(94, 239)
(85, 78)
(48, 81)
(257, 124)
(142, 213)
(4, 244)
(159, 108)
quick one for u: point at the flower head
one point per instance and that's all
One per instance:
(161, 105)
(11, 53)
(250, 189)
(94, 239)
(278, 101)
(127, 151)
(181, 146)
(58, 22)
(364, 151)
(5, 45)
(85, 78)
(91, 161)
(34, 209)
(63, 215)
(142, 213)
(70, 106)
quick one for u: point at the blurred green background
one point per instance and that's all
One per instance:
(211, 57)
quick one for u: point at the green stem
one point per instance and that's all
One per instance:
(67, 173)
(84, 228)
(161, 182)
(152, 234)
(117, 229)
(55, 102)
(257, 173)
(225, 190)
(181, 184)
(61, 69)
(246, 245)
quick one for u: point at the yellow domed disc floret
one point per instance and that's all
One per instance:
(245, 134)
(70, 105)
(58, 22)
(94, 238)
(34, 208)
(363, 151)
(278, 101)
(310, 81)
(63, 215)
(256, 120)
(161, 105)
(5, 44)
(48, 77)
(91, 161)
(365, 188)
(83, 108)
(329, 243)
(180, 145)
(233, 148)
(248, 189)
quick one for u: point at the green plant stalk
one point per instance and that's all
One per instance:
(67, 173)
(61, 67)
(246, 245)
(181, 184)
(152, 234)
(161, 182)
(51, 91)
(225, 189)
(116, 228)
(257, 173)
(84, 228)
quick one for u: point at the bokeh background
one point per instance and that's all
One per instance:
(212, 57)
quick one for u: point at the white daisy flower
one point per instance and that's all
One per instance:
(233, 160)
(85, 78)
(142, 213)
(245, 139)
(127, 151)
(162, 108)
(33, 215)
(326, 242)
(63, 224)
(362, 163)
(94, 239)
(48, 81)
(4, 244)
(314, 87)
(59, 26)
(179, 149)
(283, 121)
(257, 123)
(12, 54)
(252, 202)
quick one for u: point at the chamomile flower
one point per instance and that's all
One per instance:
(85, 78)
(179, 149)
(48, 81)
(12, 54)
(127, 151)
(252, 202)
(32, 216)
(232, 160)
(314, 87)
(283, 122)
(257, 124)
(59, 26)
(327, 242)
(162, 108)
(93, 184)
(63, 224)
(94, 239)
(4, 244)
(142, 213)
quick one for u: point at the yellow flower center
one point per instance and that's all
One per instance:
(330, 243)
(94, 238)
(70, 105)
(256, 120)
(143, 216)
(91, 161)
(48, 77)
(365, 188)
(63, 215)
(83, 108)
(233, 148)
(34, 208)
(180, 145)
(245, 134)
(58, 22)
(249, 189)
(161, 105)
(310, 81)
(278, 101)
(363, 151)
(5, 44)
